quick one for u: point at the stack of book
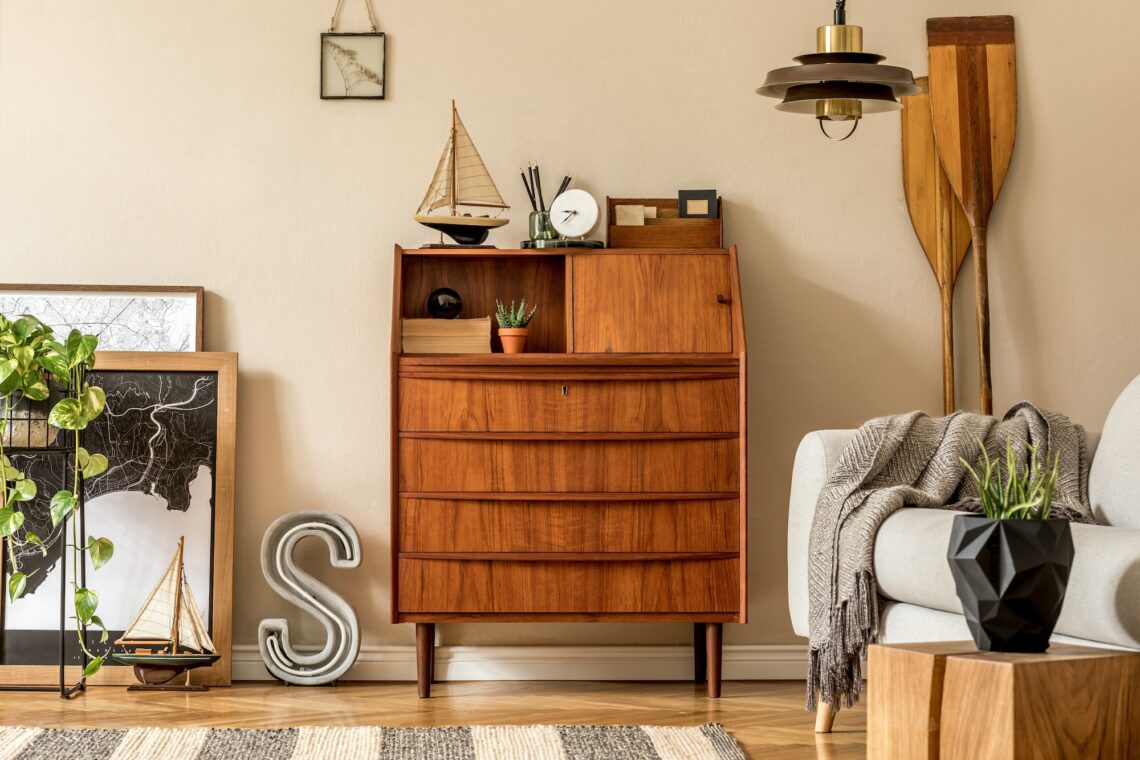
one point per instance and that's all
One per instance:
(447, 336)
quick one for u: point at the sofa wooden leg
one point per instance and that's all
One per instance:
(824, 717)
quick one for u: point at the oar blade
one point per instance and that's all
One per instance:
(937, 216)
(973, 95)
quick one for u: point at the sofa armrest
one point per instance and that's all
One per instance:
(815, 459)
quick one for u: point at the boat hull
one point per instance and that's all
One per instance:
(464, 230)
(155, 669)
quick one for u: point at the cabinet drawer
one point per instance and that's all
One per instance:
(431, 585)
(440, 465)
(699, 525)
(568, 405)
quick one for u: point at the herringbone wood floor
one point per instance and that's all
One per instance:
(766, 717)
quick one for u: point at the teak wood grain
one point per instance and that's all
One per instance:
(439, 525)
(672, 303)
(460, 465)
(937, 216)
(480, 280)
(696, 585)
(904, 698)
(579, 481)
(668, 229)
(569, 405)
(1065, 703)
(948, 700)
(973, 97)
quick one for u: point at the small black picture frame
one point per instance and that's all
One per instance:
(352, 65)
(697, 204)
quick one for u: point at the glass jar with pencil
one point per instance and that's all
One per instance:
(540, 226)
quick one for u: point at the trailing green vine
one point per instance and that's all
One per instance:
(30, 358)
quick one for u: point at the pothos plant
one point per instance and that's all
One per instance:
(30, 359)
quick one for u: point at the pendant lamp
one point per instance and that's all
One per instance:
(839, 82)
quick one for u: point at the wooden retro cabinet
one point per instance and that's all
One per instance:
(598, 477)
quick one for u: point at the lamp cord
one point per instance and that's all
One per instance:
(840, 12)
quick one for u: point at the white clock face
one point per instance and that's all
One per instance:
(574, 213)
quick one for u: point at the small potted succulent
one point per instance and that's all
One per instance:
(1011, 565)
(513, 325)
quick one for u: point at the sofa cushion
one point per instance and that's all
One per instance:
(1114, 480)
(1103, 598)
(909, 623)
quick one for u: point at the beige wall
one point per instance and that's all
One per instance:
(163, 143)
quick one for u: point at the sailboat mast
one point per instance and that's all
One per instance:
(454, 167)
(177, 601)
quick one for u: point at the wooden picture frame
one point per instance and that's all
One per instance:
(224, 367)
(353, 61)
(163, 292)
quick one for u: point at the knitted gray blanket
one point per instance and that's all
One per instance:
(893, 462)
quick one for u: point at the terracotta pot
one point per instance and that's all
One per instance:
(514, 339)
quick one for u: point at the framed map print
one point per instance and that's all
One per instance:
(124, 317)
(168, 431)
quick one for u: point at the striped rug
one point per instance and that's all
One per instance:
(708, 742)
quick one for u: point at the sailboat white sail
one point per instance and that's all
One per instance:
(461, 179)
(170, 614)
(152, 624)
(192, 631)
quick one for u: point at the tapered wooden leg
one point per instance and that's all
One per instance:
(824, 717)
(425, 655)
(712, 657)
(699, 646)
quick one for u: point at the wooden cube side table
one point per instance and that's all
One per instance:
(950, 701)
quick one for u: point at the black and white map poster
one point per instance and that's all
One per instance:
(159, 432)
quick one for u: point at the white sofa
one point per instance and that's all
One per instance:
(1102, 604)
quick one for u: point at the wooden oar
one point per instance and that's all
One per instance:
(973, 98)
(937, 216)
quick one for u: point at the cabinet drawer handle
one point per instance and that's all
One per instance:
(721, 299)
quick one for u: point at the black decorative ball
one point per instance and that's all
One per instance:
(444, 303)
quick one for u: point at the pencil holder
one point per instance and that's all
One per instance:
(540, 228)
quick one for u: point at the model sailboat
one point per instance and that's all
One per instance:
(461, 179)
(167, 637)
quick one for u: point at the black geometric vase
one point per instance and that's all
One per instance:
(1011, 577)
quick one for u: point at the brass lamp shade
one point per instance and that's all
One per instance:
(839, 82)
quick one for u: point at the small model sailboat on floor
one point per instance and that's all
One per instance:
(167, 637)
(461, 179)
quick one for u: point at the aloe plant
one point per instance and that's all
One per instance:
(512, 317)
(1017, 492)
(30, 357)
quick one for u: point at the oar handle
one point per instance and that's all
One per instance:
(947, 292)
(982, 290)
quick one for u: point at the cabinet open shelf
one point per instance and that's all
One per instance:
(480, 279)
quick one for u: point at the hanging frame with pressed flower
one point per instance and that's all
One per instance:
(352, 63)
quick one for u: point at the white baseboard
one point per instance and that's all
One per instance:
(744, 662)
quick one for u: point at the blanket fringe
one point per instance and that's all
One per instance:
(835, 670)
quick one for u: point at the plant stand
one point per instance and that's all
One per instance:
(65, 690)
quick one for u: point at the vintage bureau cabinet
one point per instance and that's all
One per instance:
(598, 477)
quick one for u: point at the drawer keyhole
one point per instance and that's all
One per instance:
(565, 390)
